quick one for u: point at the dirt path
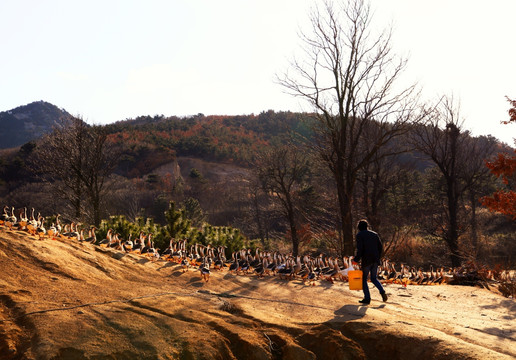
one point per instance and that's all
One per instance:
(65, 300)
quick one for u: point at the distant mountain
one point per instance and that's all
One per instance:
(29, 122)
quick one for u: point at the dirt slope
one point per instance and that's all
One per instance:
(65, 300)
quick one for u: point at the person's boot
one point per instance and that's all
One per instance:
(364, 301)
(384, 296)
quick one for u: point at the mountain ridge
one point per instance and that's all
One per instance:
(28, 122)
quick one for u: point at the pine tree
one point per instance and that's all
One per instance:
(177, 223)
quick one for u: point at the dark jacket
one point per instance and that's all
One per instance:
(369, 248)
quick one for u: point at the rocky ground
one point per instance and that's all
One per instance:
(60, 299)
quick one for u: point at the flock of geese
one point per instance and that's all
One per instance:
(209, 258)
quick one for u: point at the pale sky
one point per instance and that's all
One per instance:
(110, 60)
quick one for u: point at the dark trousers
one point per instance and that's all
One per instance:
(373, 270)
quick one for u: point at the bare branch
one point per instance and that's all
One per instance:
(350, 77)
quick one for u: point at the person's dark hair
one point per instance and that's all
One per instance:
(362, 225)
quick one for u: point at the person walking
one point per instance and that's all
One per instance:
(369, 251)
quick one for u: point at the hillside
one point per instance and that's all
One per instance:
(218, 138)
(28, 122)
(64, 300)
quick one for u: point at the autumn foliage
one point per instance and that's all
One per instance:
(220, 138)
(504, 166)
(512, 112)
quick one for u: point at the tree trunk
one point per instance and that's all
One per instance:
(474, 235)
(453, 197)
(292, 223)
(346, 220)
(96, 211)
(453, 233)
(258, 219)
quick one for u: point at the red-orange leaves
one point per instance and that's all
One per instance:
(501, 201)
(504, 201)
(512, 112)
(504, 166)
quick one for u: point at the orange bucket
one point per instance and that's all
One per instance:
(355, 279)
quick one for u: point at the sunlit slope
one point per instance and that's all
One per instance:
(60, 299)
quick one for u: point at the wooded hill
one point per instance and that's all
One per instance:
(207, 163)
(233, 139)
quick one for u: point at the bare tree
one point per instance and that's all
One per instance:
(476, 176)
(59, 159)
(441, 139)
(281, 170)
(460, 161)
(375, 179)
(350, 77)
(77, 159)
(99, 162)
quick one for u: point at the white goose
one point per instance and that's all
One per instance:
(11, 220)
(33, 223)
(22, 224)
(40, 230)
